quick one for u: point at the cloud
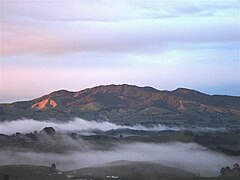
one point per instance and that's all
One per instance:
(147, 43)
(38, 27)
(135, 36)
(113, 11)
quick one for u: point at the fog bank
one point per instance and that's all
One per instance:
(81, 125)
(191, 157)
(77, 125)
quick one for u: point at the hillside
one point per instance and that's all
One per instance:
(127, 104)
(132, 170)
(29, 172)
(116, 170)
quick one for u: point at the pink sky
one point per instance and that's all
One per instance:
(46, 46)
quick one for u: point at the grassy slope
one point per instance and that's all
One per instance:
(124, 169)
(28, 172)
(133, 170)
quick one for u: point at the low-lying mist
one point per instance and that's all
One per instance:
(81, 125)
(188, 156)
(79, 154)
(77, 125)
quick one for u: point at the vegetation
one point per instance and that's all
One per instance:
(48, 140)
(28, 172)
(126, 104)
(123, 170)
(227, 171)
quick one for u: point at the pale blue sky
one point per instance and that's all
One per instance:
(51, 45)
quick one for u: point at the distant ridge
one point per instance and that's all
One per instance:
(128, 104)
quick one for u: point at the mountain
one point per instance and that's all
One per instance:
(128, 104)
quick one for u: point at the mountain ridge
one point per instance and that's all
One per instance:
(123, 103)
(180, 89)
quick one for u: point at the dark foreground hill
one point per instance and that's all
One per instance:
(127, 104)
(117, 170)
(122, 170)
(128, 170)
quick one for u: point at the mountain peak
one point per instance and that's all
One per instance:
(60, 92)
(186, 91)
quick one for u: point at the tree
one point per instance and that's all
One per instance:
(223, 171)
(74, 136)
(6, 177)
(49, 131)
(53, 168)
(228, 169)
(236, 167)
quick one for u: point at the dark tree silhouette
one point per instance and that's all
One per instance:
(74, 136)
(225, 171)
(228, 169)
(49, 131)
(6, 177)
(236, 167)
(53, 168)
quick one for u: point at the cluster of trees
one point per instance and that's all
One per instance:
(226, 170)
(53, 168)
(50, 131)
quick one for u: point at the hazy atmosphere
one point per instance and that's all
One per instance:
(179, 155)
(188, 156)
(72, 45)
